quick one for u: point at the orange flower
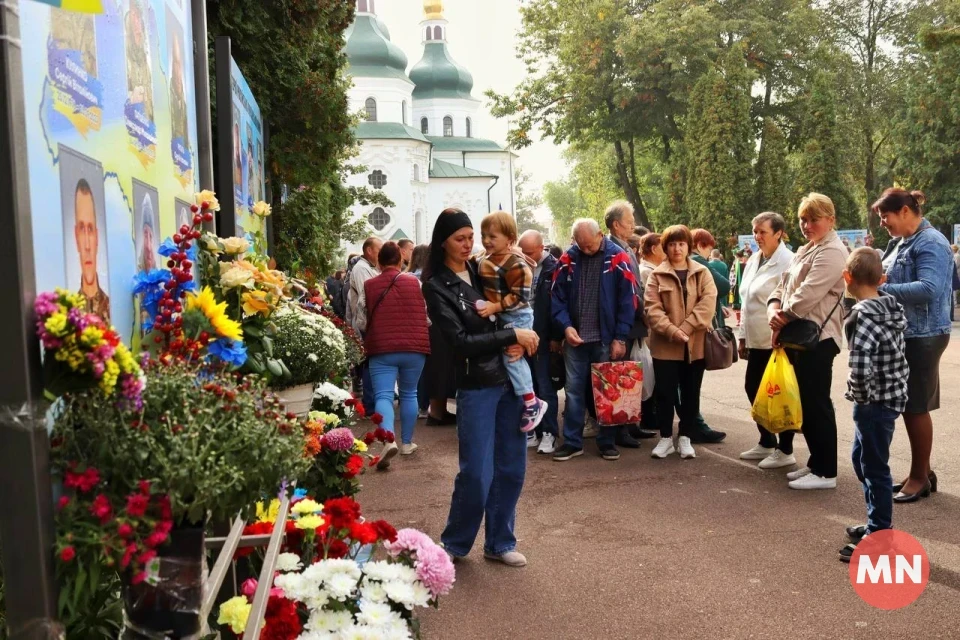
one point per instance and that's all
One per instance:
(311, 447)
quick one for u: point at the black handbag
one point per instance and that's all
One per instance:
(803, 334)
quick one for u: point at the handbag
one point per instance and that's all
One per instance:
(803, 334)
(720, 349)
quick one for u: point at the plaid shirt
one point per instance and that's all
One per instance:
(507, 279)
(878, 366)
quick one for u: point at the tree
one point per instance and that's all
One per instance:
(565, 206)
(820, 165)
(719, 148)
(772, 170)
(528, 201)
(591, 186)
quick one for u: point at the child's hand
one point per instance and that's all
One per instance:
(487, 309)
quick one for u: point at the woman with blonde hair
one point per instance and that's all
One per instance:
(812, 289)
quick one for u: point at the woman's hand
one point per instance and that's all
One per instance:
(742, 350)
(778, 320)
(528, 339)
(681, 337)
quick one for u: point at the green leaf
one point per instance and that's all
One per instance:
(267, 346)
(253, 331)
(274, 367)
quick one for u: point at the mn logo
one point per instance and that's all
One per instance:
(889, 569)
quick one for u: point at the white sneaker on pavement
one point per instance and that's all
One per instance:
(799, 473)
(407, 449)
(813, 481)
(532, 441)
(389, 451)
(756, 453)
(686, 448)
(510, 558)
(590, 428)
(548, 444)
(664, 448)
(778, 459)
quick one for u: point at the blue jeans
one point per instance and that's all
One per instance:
(578, 361)
(540, 365)
(493, 462)
(519, 371)
(385, 370)
(871, 461)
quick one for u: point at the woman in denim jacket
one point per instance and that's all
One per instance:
(916, 262)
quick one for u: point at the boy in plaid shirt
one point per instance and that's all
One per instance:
(507, 281)
(877, 385)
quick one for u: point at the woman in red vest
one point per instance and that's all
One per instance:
(397, 344)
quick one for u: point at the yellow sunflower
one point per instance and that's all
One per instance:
(206, 303)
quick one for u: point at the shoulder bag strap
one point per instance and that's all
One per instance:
(380, 299)
(832, 311)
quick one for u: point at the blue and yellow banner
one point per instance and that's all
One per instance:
(85, 6)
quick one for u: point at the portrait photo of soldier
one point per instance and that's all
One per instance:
(146, 224)
(74, 31)
(139, 79)
(178, 100)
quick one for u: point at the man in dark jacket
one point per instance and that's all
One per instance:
(550, 334)
(595, 301)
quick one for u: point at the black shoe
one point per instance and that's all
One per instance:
(640, 433)
(626, 441)
(706, 435)
(609, 453)
(448, 419)
(903, 498)
(856, 533)
(932, 476)
(566, 452)
(847, 551)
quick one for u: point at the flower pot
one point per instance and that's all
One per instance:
(297, 399)
(167, 604)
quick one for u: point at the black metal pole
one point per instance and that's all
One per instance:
(201, 90)
(268, 192)
(26, 502)
(226, 218)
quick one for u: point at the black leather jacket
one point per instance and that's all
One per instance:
(476, 343)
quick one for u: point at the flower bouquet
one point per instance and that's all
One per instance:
(617, 392)
(336, 458)
(331, 596)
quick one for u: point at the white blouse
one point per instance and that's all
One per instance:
(757, 284)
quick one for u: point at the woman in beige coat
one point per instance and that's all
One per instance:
(679, 300)
(812, 289)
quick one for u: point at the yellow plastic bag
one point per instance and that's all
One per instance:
(777, 406)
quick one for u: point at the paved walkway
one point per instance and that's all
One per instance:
(704, 548)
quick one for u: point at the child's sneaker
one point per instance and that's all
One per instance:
(532, 415)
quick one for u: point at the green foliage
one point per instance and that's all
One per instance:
(586, 193)
(89, 605)
(820, 165)
(772, 170)
(528, 201)
(719, 142)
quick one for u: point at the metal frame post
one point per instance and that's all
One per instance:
(201, 91)
(227, 216)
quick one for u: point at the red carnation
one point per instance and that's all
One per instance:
(354, 466)
(369, 438)
(125, 531)
(137, 505)
(84, 482)
(380, 434)
(128, 554)
(165, 512)
(376, 418)
(67, 554)
(164, 526)
(147, 556)
(338, 549)
(144, 486)
(155, 539)
(63, 502)
(360, 410)
(281, 620)
(390, 437)
(349, 402)
(374, 461)
(138, 578)
(384, 530)
(101, 508)
(363, 533)
(341, 512)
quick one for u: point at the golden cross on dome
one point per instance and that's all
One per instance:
(433, 9)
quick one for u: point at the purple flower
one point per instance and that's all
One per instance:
(338, 439)
(46, 304)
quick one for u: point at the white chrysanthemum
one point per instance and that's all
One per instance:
(317, 600)
(421, 595)
(400, 592)
(317, 635)
(377, 614)
(404, 572)
(312, 357)
(295, 586)
(373, 591)
(341, 586)
(360, 632)
(329, 621)
(398, 630)
(379, 570)
(288, 562)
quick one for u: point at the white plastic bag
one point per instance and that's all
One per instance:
(642, 355)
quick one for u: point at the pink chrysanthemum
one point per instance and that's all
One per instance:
(435, 570)
(408, 540)
(338, 439)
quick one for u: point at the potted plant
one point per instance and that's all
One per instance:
(311, 348)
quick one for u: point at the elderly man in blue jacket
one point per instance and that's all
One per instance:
(595, 301)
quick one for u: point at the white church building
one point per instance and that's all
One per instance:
(419, 139)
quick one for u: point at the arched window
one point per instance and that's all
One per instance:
(469, 128)
(424, 126)
(403, 105)
(371, 106)
(372, 8)
(362, 6)
(378, 219)
(447, 127)
(416, 173)
(377, 180)
(437, 33)
(429, 34)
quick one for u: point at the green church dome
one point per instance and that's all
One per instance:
(437, 75)
(370, 53)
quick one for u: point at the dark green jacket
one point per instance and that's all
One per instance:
(721, 277)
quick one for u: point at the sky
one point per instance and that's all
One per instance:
(482, 37)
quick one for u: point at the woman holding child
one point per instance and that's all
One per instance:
(812, 289)
(918, 263)
(493, 450)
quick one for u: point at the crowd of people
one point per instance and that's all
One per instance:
(504, 330)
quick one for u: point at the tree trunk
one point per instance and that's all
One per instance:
(630, 187)
(870, 177)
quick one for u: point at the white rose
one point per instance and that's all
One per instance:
(236, 245)
(261, 209)
(236, 277)
(210, 198)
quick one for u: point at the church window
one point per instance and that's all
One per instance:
(429, 33)
(437, 33)
(372, 8)
(371, 107)
(469, 128)
(362, 6)
(416, 172)
(447, 127)
(424, 126)
(403, 106)
(378, 219)
(377, 180)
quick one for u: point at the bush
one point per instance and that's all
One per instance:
(310, 345)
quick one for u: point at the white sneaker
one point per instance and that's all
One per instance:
(532, 441)
(548, 444)
(407, 449)
(664, 448)
(778, 459)
(389, 451)
(757, 453)
(686, 448)
(799, 473)
(813, 481)
(590, 428)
